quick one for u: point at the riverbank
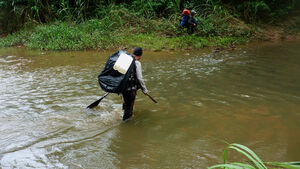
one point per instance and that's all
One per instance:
(155, 35)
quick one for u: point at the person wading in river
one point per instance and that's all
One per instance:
(135, 82)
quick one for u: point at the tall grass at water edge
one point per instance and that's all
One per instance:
(254, 161)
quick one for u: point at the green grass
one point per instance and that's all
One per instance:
(254, 161)
(19, 38)
(157, 42)
(96, 34)
(108, 24)
(71, 36)
(121, 28)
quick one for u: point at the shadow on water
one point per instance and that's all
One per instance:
(249, 96)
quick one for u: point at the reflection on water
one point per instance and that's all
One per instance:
(248, 96)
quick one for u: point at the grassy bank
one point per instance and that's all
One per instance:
(152, 26)
(92, 35)
(156, 34)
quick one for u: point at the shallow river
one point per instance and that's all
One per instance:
(249, 96)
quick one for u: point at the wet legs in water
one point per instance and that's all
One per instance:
(129, 97)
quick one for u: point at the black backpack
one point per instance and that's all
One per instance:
(111, 80)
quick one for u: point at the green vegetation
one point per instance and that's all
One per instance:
(254, 163)
(152, 24)
(62, 36)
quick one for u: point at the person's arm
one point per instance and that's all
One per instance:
(191, 21)
(139, 76)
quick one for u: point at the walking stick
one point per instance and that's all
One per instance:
(97, 102)
(151, 98)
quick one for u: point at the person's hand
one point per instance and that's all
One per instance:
(146, 93)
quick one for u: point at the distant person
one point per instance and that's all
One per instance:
(188, 21)
(184, 17)
(192, 22)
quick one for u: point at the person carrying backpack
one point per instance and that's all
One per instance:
(122, 74)
(184, 17)
(188, 21)
(135, 82)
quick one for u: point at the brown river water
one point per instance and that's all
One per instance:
(249, 96)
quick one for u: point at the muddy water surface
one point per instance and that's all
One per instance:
(249, 96)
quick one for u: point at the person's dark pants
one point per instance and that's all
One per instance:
(129, 97)
(190, 29)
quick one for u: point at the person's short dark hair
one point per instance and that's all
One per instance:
(138, 51)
